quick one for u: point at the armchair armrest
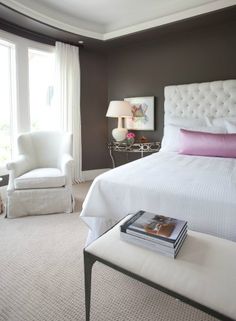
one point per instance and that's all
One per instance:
(66, 165)
(17, 168)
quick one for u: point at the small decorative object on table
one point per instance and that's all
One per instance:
(143, 139)
(130, 138)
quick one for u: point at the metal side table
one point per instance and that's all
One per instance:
(141, 148)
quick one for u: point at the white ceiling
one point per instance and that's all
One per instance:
(106, 19)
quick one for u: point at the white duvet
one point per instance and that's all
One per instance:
(201, 190)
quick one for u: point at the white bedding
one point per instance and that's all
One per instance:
(201, 190)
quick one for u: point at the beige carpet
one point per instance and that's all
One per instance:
(41, 277)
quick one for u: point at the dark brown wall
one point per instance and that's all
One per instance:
(93, 109)
(145, 68)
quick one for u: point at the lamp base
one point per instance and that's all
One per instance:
(119, 134)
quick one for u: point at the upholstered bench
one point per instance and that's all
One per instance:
(203, 274)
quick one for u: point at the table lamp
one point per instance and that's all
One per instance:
(119, 108)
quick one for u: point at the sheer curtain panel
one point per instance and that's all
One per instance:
(68, 99)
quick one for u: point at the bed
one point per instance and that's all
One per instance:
(199, 189)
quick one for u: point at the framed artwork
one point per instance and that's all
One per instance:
(142, 113)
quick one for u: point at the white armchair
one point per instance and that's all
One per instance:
(40, 180)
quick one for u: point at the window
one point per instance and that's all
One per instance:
(7, 104)
(26, 91)
(41, 90)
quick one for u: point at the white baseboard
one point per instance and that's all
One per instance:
(91, 174)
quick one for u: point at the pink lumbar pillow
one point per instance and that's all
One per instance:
(207, 144)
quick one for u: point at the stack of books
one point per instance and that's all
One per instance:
(155, 232)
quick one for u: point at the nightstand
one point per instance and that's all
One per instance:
(141, 148)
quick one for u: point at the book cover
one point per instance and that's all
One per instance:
(157, 226)
(160, 241)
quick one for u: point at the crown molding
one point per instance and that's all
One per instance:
(44, 18)
(217, 5)
(52, 21)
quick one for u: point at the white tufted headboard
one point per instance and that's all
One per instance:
(216, 99)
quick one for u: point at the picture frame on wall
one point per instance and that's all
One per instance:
(142, 113)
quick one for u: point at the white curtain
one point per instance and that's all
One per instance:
(67, 93)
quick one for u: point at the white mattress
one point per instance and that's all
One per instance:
(201, 190)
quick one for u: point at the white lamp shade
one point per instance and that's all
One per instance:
(119, 108)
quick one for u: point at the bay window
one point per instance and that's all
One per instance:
(26, 90)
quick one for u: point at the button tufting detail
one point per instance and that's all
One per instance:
(214, 99)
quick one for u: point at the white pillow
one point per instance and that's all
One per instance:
(171, 140)
(231, 127)
(188, 122)
(229, 123)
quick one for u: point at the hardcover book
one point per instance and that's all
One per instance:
(171, 252)
(155, 240)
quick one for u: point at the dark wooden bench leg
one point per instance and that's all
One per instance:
(89, 260)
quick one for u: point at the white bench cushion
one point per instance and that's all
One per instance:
(204, 270)
(40, 178)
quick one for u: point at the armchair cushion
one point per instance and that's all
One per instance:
(40, 178)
